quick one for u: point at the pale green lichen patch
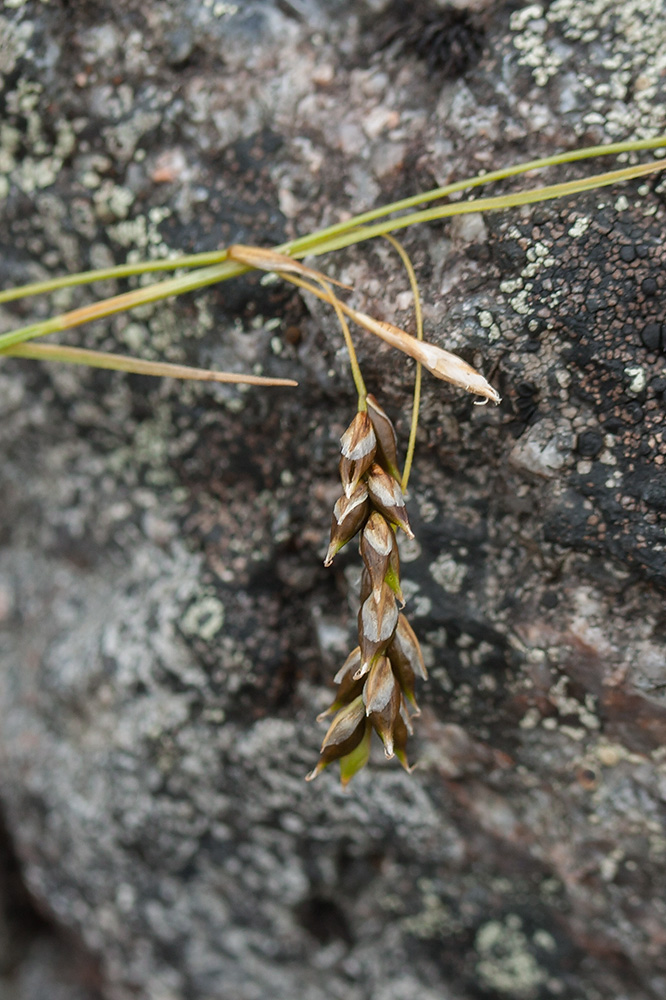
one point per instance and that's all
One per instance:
(122, 139)
(141, 234)
(626, 47)
(112, 201)
(32, 158)
(435, 918)
(506, 960)
(530, 27)
(14, 39)
(149, 448)
(221, 9)
(538, 259)
(487, 323)
(10, 138)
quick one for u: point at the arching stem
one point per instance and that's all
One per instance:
(294, 271)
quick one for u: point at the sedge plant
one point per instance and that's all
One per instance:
(375, 685)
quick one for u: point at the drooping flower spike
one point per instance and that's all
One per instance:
(376, 682)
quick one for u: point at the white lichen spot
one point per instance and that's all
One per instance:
(421, 606)
(609, 866)
(135, 335)
(637, 379)
(204, 619)
(90, 179)
(575, 733)
(593, 117)
(427, 511)
(142, 237)
(221, 9)
(23, 100)
(628, 41)
(570, 706)
(609, 754)
(544, 940)
(536, 251)
(410, 549)
(112, 201)
(158, 213)
(519, 303)
(521, 18)
(487, 322)
(531, 27)
(448, 573)
(580, 226)
(530, 719)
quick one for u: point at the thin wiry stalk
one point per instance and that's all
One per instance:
(440, 363)
(409, 457)
(351, 350)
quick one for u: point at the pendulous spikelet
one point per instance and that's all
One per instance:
(376, 681)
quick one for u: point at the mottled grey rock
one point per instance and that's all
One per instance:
(36, 960)
(167, 630)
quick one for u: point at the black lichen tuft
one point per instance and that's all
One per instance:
(449, 41)
(525, 403)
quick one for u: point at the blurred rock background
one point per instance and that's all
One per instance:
(167, 630)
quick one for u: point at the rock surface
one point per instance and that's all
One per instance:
(167, 631)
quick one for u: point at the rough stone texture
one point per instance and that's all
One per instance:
(167, 631)
(37, 960)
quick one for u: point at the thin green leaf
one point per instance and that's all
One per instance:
(306, 244)
(112, 273)
(303, 245)
(121, 303)
(137, 366)
(498, 203)
(228, 269)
